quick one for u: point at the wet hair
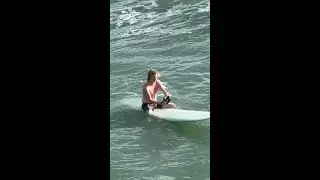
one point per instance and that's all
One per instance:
(151, 72)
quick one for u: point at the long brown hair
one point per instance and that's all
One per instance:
(152, 72)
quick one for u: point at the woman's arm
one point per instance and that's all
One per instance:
(162, 88)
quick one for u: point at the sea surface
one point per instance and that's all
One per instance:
(173, 37)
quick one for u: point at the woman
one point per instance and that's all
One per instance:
(149, 92)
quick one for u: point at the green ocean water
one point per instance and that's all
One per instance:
(173, 37)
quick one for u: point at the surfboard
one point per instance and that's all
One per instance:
(173, 114)
(170, 114)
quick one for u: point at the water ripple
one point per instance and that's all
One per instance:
(172, 36)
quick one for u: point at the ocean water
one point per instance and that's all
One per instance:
(173, 37)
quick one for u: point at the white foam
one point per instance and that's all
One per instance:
(130, 93)
(133, 102)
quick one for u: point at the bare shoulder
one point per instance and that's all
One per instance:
(159, 82)
(144, 86)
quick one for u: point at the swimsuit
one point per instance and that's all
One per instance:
(145, 106)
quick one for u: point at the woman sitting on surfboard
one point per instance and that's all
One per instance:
(149, 91)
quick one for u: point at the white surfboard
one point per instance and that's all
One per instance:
(170, 114)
